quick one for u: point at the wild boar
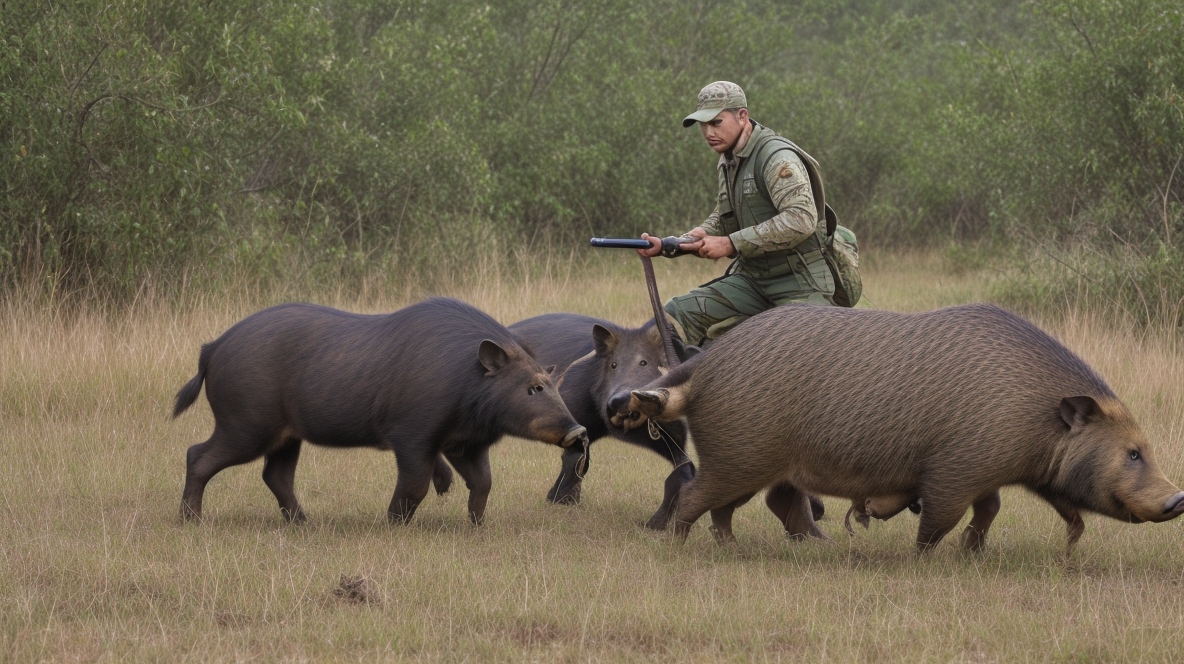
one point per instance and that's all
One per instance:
(436, 378)
(597, 360)
(946, 406)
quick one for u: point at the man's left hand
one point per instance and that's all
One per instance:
(715, 246)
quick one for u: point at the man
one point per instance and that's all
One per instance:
(769, 216)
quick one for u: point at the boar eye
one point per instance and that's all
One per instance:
(535, 389)
(613, 365)
(643, 363)
(1134, 455)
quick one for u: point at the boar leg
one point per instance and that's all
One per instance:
(985, 509)
(279, 474)
(721, 519)
(204, 460)
(675, 481)
(474, 468)
(566, 490)
(817, 508)
(1074, 525)
(416, 470)
(441, 476)
(939, 515)
(706, 492)
(691, 506)
(794, 509)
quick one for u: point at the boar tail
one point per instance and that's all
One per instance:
(188, 392)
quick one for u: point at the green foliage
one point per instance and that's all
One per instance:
(147, 142)
(1090, 135)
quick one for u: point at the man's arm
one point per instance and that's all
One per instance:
(710, 240)
(711, 225)
(788, 184)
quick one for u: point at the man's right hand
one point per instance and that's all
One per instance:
(692, 245)
(655, 247)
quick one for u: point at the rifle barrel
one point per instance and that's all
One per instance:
(620, 243)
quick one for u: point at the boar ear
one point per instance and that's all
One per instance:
(1078, 411)
(604, 339)
(652, 334)
(550, 370)
(492, 356)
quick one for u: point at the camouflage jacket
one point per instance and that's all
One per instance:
(773, 223)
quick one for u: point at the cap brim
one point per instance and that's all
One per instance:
(704, 115)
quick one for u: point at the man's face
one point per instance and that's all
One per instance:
(722, 131)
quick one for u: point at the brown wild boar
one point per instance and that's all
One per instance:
(946, 406)
(436, 378)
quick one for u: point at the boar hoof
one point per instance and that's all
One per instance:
(569, 497)
(681, 529)
(722, 535)
(296, 517)
(658, 521)
(973, 539)
(189, 514)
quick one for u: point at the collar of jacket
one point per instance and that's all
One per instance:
(758, 130)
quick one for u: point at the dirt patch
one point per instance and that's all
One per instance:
(358, 590)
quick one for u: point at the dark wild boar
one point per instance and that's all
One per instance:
(436, 378)
(946, 406)
(599, 359)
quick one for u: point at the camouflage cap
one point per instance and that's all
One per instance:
(714, 98)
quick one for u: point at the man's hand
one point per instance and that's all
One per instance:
(698, 242)
(714, 246)
(655, 247)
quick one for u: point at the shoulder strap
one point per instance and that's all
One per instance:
(778, 143)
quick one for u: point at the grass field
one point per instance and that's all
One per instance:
(98, 567)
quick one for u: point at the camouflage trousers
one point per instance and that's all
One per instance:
(712, 309)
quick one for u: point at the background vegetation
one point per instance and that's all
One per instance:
(167, 145)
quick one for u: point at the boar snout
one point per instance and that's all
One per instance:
(1174, 506)
(577, 433)
(619, 404)
(618, 411)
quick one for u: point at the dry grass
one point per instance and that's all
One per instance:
(97, 566)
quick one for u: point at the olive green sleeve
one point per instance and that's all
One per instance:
(711, 224)
(788, 184)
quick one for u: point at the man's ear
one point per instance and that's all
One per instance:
(492, 356)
